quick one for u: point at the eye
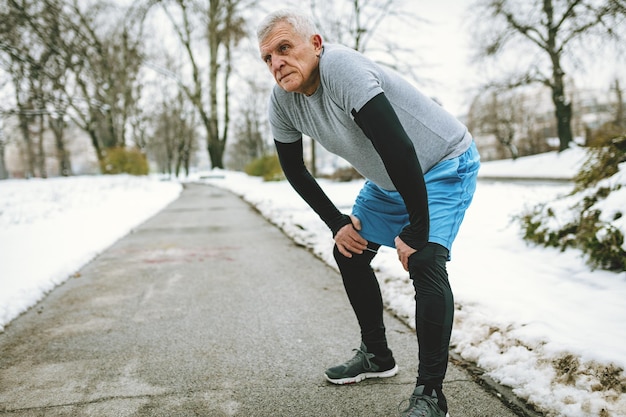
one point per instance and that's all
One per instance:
(283, 48)
(267, 59)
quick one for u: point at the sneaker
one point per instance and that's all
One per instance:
(421, 405)
(362, 365)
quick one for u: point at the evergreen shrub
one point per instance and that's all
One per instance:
(580, 220)
(267, 167)
(125, 161)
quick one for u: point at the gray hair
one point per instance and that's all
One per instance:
(302, 23)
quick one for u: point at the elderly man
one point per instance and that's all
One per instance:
(420, 166)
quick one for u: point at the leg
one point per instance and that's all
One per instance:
(364, 294)
(373, 359)
(434, 312)
(450, 185)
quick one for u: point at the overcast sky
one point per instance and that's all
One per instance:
(442, 44)
(446, 45)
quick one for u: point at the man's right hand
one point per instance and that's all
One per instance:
(348, 239)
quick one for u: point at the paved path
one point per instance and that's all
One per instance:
(204, 310)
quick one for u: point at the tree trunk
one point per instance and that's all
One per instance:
(96, 146)
(30, 153)
(215, 148)
(63, 156)
(4, 174)
(508, 140)
(216, 152)
(41, 157)
(619, 114)
(180, 148)
(563, 109)
(226, 96)
(186, 163)
(564, 117)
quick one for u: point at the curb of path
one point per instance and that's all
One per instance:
(502, 392)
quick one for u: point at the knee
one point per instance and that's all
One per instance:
(429, 264)
(357, 260)
(341, 260)
(432, 254)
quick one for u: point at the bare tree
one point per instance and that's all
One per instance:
(105, 88)
(56, 74)
(511, 119)
(20, 63)
(360, 24)
(249, 127)
(225, 28)
(552, 30)
(222, 27)
(64, 55)
(24, 111)
(174, 138)
(352, 23)
(495, 115)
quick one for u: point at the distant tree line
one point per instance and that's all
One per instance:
(104, 68)
(84, 62)
(64, 63)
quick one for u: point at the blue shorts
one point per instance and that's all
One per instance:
(450, 185)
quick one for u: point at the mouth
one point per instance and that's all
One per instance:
(282, 77)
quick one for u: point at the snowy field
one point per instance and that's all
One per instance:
(50, 228)
(538, 320)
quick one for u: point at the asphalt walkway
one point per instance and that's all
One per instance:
(205, 310)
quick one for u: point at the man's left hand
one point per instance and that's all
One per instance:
(404, 251)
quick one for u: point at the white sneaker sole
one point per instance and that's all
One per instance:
(360, 377)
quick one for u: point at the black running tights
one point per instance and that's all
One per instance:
(364, 294)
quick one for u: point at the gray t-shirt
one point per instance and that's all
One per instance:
(348, 81)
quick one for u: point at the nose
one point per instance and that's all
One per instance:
(277, 63)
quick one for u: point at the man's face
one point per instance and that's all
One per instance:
(293, 61)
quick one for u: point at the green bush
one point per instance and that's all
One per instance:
(600, 241)
(606, 134)
(574, 221)
(602, 163)
(267, 167)
(125, 161)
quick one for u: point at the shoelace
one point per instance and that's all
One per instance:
(361, 356)
(419, 406)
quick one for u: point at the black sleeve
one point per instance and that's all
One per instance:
(292, 162)
(381, 125)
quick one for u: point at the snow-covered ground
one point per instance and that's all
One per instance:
(50, 228)
(537, 319)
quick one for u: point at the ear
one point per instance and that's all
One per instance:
(316, 41)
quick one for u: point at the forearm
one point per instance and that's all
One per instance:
(292, 163)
